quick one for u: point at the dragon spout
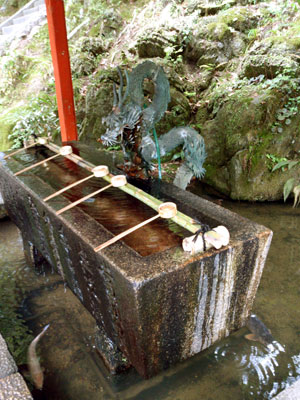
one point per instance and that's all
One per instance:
(131, 124)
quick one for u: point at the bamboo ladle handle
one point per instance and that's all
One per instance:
(116, 181)
(98, 172)
(63, 151)
(40, 140)
(165, 210)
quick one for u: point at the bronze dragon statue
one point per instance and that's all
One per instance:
(130, 124)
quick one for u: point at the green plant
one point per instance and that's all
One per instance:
(287, 188)
(275, 160)
(190, 94)
(39, 118)
(285, 164)
(289, 185)
(173, 54)
(252, 34)
(13, 68)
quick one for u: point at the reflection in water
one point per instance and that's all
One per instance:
(114, 209)
(257, 367)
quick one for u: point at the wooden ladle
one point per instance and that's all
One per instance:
(41, 140)
(116, 181)
(63, 151)
(165, 210)
(98, 172)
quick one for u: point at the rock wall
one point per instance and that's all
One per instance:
(233, 70)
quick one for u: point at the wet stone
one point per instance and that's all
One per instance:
(7, 363)
(291, 393)
(3, 212)
(155, 310)
(13, 387)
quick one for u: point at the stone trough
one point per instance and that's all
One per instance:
(153, 308)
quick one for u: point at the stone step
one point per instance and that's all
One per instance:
(32, 10)
(33, 13)
(19, 20)
(22, 22)
(39, 3)
(8, 30)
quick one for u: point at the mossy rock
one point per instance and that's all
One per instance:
(207, 8)
(153, 43)
(238, 122)
(218, 45)
(268, 65)
(239, 18)
(96, 104)
(202, 115)
(218, 31)
(290, 37)
(178, 114)
(238, 139)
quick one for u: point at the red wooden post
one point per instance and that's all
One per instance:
(62, 69)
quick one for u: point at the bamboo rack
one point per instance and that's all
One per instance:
(180, 218)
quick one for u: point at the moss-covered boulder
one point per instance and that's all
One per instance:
(240, 18)
(215, 43)
(243, 146)
(95, 104)
(152, 43)
(268, 65)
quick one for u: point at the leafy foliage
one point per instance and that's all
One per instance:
(273, 159)
(13, 67)
(39, 118)
(289, 185)
(287, 188)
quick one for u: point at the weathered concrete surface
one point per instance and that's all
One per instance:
(158, 309)
(12, 384)
(3, 212)
(291, 393)
(7, 363)
(13, 387)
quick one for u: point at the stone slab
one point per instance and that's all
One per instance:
(13, 387)
(291, 393)
(7, 363)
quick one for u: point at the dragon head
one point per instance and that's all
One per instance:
(121, 117)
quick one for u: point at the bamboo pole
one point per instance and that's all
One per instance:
(165, 210)
(125, 233)
(36, 164)
(40, 140)
(181, 219)
(75, 203)
(19, 150)
(68, 187)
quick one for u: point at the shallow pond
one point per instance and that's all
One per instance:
(233, 368)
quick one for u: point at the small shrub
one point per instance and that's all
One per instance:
(39, 118)
(13, 68)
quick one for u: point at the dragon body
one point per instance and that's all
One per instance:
(131, 124)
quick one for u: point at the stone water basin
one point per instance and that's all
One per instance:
(155, 305)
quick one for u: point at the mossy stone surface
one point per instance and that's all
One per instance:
(238, 140)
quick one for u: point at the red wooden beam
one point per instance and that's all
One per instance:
(62, 69)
